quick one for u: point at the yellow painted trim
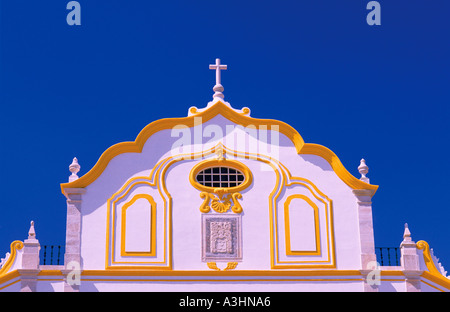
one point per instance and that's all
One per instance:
(142, 272)
(50, 273)
(283, 276)
(287, 230)
(441, 290)
(209, 163)
(228, 280)
(423, 245)
(61, 279)
(190, 121)
(338, 167)
(152, 247)
(329, 218)
(15, 245)
(110, 232)
(433, 274)
(8, 277)
(441, 281)
(111, 236)
(391, 273)
(331, 256)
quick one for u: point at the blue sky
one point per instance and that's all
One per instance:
(374, 92)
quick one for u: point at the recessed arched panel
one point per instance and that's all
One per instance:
(301, 217)
(138, 233)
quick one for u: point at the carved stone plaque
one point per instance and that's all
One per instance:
(221, 237)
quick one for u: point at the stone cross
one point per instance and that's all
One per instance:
(218, 88)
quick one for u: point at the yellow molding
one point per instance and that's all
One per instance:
(328, 224)
(391, 273)
(287, 226)
(171, 280)
(50, 273)
(263, 274)
(432, 286)
(433, 274)
(15, 245)
(238, 118)
(152, 247)
(8, 276)
(423, 245)
(199, 273)
(134, 272)
(110, 228)
(441, 281)
(143, 272)
(338, 167)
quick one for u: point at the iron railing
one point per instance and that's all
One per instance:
(388, 256)
(52, 255)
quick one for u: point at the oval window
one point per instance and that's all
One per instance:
(229, 174)
(220, 177)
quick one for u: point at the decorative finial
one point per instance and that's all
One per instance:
(218, 88)
(363, 170)
(31, 231)
(407, 233)
(407, 239)
(74, 168)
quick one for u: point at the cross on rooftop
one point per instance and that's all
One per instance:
(218, 88)
(218, 67)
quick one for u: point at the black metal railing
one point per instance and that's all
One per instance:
(388, 256)
(52, 255)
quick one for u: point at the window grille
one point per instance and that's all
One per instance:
(220, 177)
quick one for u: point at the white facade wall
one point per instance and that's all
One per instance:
(186, 217)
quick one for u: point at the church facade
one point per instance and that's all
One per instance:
(214, 201)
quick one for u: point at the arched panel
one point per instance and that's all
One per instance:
(301, 217)
(138, 234)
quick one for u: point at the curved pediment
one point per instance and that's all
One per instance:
(237, 117)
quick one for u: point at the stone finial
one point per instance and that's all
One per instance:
(31, 231)
(409, 261)
(363, 170)
(30, 261)
(407, 240)
(31, 235)
(406, 233)
(74, 168)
